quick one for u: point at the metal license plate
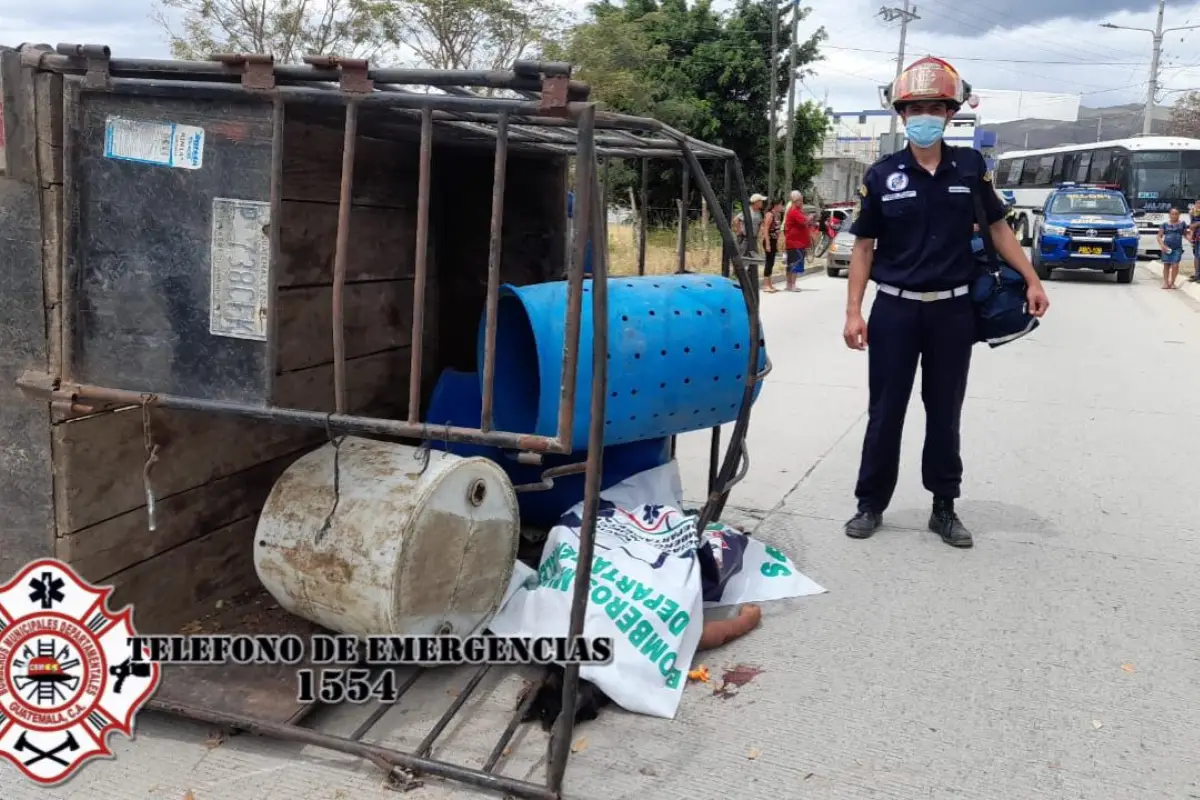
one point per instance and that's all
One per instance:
(1090, 251)
(241, 261)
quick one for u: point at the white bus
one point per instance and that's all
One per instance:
(1155, 173)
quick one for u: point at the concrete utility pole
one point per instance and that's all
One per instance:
(1155, 55)
(773, 134)
(791, 104)
(905, 15)
(1152, 86)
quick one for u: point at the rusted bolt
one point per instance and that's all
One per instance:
(477, 492)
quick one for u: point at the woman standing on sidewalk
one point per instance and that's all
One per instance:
(1170, 242)
(797, 238)
(768, 237)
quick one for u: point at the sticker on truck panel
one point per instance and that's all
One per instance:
(241, 259)
(164, 144)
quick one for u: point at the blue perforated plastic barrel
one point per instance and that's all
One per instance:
(457, 400)
(678, 355)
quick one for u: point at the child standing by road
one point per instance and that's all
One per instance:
(1170, 241)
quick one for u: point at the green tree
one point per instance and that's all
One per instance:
(287, 29)
(443, 34)
(1185, 116)
(703, 72)
(473, 34)
(811, 126)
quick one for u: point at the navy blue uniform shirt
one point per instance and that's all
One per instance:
(922, 224)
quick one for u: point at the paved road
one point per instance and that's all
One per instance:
(1055, 660)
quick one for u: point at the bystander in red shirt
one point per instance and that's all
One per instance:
(797, 237)
(796, 231)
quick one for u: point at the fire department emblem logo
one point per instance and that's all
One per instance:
(67, 678)
(897, 182)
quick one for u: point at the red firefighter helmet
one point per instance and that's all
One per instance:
(928, 78)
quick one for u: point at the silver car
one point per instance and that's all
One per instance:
(837, 258)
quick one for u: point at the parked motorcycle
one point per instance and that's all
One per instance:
(830, 222)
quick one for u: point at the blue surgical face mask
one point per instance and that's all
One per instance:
(924, 130)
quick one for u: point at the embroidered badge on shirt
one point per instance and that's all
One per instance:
(897, 181)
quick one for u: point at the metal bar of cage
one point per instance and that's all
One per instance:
(585, 168)
(714, 450)
(346, 188)
(499, 178)
(342, 423)
(735, 454)
(584, 119)
(151, 73)
(560, 741)
(418, 322)
(219, 69)
(643, 216)
(685, 195)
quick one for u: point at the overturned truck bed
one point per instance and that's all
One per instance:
(210, 268)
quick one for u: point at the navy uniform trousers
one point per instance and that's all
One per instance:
(901, 333)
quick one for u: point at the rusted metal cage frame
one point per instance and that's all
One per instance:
(559, 125)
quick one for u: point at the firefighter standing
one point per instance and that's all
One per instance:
(913, 238)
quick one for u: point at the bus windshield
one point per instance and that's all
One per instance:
(1087, 203)
(1191, 174)
(1157, 177)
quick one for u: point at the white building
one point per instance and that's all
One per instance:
(1002, 105)
(840, 178)
(856, 134)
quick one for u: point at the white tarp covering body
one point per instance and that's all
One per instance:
(650, 585)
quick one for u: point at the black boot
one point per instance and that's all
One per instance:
(945, 523)
(863, 524)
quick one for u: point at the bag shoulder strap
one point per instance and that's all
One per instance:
(985, 233)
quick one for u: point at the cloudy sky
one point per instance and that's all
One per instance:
(1043, 45)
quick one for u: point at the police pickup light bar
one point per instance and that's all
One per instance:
(1073, 184)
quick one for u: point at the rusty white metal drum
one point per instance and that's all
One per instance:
(397, 541)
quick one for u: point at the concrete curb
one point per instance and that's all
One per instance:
(1188, 288)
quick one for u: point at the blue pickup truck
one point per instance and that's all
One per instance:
(1085, 228)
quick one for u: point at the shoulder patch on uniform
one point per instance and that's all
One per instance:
(862, 190)
(987, 176)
